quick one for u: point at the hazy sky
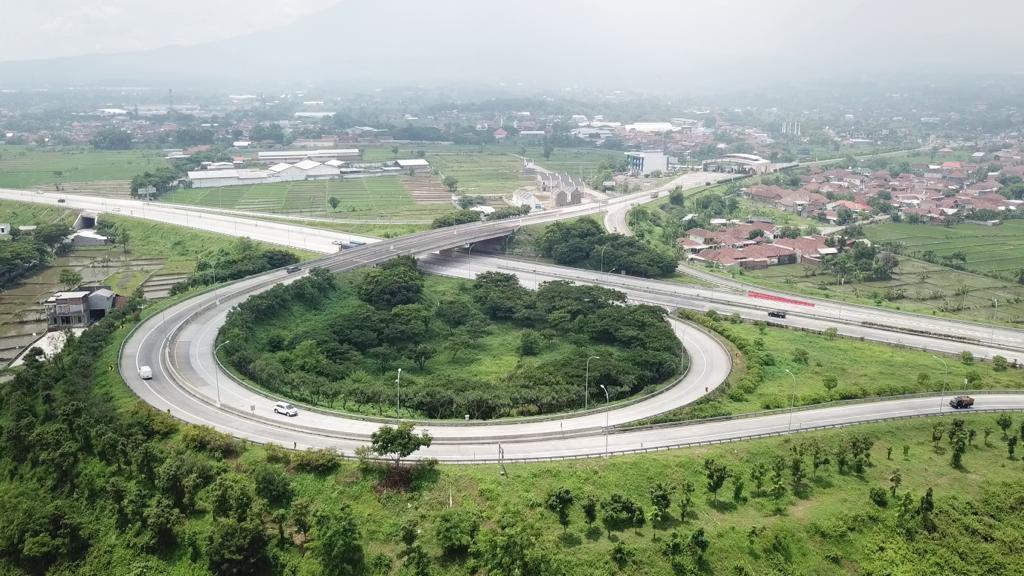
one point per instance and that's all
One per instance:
(677, 44)
(51, 28)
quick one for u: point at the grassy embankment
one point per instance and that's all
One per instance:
(862, 369)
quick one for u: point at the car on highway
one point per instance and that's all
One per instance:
(777, 313)
(285, 409)
(145, 372)
(961, 402)
(292, 269)
(61, 200)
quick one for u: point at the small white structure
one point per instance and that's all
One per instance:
(645, 163)
(414, 166)
(5, 231)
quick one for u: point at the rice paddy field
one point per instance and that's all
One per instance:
(989, 249)
(29, 166)
(369, 198)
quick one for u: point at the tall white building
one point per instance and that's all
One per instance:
(645, 163)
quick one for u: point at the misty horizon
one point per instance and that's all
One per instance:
(649, 45)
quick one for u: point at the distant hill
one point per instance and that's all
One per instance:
(366, 43)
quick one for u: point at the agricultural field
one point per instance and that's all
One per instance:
(916, 286)
(482, 173)
(576, 162)
(27, 166)
(989, 250)
(360, 198)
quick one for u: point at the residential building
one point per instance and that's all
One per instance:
(78, 308)
(753, 257)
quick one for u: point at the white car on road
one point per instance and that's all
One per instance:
(285, 409)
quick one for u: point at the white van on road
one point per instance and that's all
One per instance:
(145, 372)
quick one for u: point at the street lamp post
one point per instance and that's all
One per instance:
(607, 409)
(603, 248)
(469, 261)
(945, 379)
(995, 313)
(792, 400)
(216, 369)
(586, 384)
(398, 406)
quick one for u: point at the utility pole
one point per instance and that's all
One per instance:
(607, 401)
(586, 385)
(398, 382)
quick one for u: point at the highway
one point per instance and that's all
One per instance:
(187, 381)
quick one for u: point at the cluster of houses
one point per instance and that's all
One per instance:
(298, 165)
(932, 192)
(752, 245)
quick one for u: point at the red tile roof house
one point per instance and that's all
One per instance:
(795, 201)
(854, 206)
(735, 235)
(754, 257)
(808, 248)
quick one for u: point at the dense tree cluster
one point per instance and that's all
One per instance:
(24, 253)
(244, 258)
(861, 261)
(350, 335)
(112, 139)
(584, 243)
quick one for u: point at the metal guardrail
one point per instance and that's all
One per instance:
(819, 406)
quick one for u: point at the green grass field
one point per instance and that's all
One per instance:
(577, 162)
(864, 369)
(369, 198)
(487, 173)
(27, 166)
(989, 249)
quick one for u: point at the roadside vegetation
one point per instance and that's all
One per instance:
(585, 244)
(93, 485)
(827, 367)
(487, 348)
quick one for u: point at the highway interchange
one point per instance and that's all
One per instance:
(178, 344)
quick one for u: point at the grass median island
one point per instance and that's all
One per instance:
(828, 367)
(486, 348)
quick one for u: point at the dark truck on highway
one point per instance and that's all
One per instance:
(962, 402)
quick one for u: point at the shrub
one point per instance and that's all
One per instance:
(319, 461)
(206, 439)
(879, 497)
(999, 363)
(456, 531)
